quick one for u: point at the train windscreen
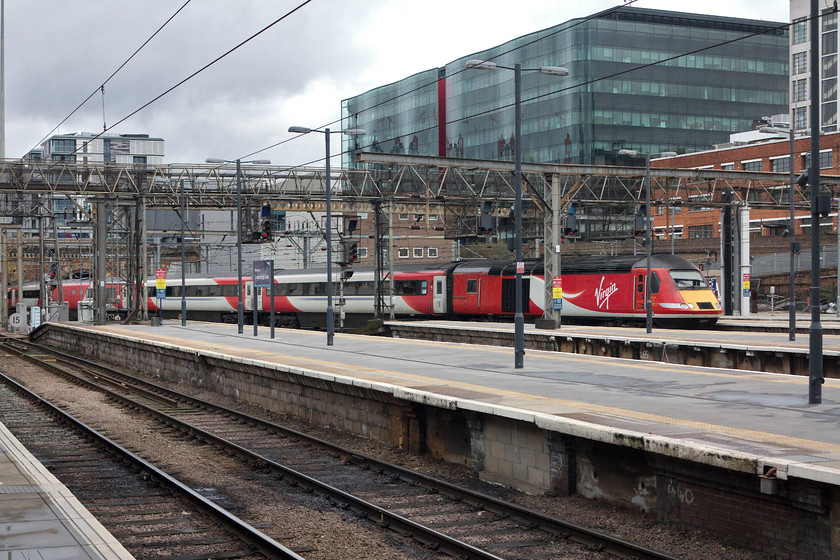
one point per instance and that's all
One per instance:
(689, 280)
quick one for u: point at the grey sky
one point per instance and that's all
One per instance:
(296, 73)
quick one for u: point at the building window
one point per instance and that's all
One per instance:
(754, 165)
(825, 160)
(432, 252)
(727, 166)
(417, 252)
(363, 252)
(704, 231)
(64, 146)
(800, 63)
(800, 31)
(829, 20)
(800, 118)
(402, 253)
(780, 164)
(403, 216)
(800, 90)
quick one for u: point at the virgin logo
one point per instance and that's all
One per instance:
(602, 294)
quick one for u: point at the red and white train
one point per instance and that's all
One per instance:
(606, 289)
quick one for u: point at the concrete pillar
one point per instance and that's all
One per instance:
(475, 425)
(561, 465)
(744, 253)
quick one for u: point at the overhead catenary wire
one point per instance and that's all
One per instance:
(101, 87)
(203, 68)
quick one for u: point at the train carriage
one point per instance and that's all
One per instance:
(595, 289)
(604, 289)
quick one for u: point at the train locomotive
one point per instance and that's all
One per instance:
(597, 289)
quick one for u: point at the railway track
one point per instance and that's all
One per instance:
(440, 516)
(145, 509)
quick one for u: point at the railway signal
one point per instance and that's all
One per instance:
(351, 252)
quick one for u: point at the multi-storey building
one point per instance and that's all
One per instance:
(85, 147)
(646, 80)
(800, 65)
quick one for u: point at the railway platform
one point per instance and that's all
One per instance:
(702, 447)
(758, 342)
(40, 517)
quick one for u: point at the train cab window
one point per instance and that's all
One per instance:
(689, 280)
(655, 282)
(472, 286)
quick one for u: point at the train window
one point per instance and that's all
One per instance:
(655, 282)
(411, 287)
(689, 280)
(472, 286)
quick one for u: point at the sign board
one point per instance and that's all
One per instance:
(160, 283)
(520, 267)
(262, 274)
(17, 321)
(746, 284)
(557, 292)
(35, 316)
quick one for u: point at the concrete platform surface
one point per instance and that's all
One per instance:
(40, 518)
(729, 418)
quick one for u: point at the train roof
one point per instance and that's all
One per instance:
(596, 264)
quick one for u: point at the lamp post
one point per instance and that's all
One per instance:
(183, 262)
(648, 237)
(238, 162)
(519, 318)
(328, 233)
(790, 230)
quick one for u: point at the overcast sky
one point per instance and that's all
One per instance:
(296, 73)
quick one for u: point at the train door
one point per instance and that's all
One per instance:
(249, 296)
(248, 304)
(509, 295)
(639, 297)
(472, 295)
(439, 295)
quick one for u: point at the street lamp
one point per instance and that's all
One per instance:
(328, 234)
(649, 240)
(790, 230)
(519, 319)
(238, 162)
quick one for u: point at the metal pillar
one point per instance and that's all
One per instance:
(239, 311)
(183, 263)
(519, 319)
(328, 238)
(815, 357)
(99, 273)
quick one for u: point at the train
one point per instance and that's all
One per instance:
(596, 289)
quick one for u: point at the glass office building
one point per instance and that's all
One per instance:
(646, 80)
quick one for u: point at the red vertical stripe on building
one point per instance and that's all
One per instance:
(442, 113)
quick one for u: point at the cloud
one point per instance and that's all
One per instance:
(296, 73)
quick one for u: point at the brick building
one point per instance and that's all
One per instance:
(697, 222)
